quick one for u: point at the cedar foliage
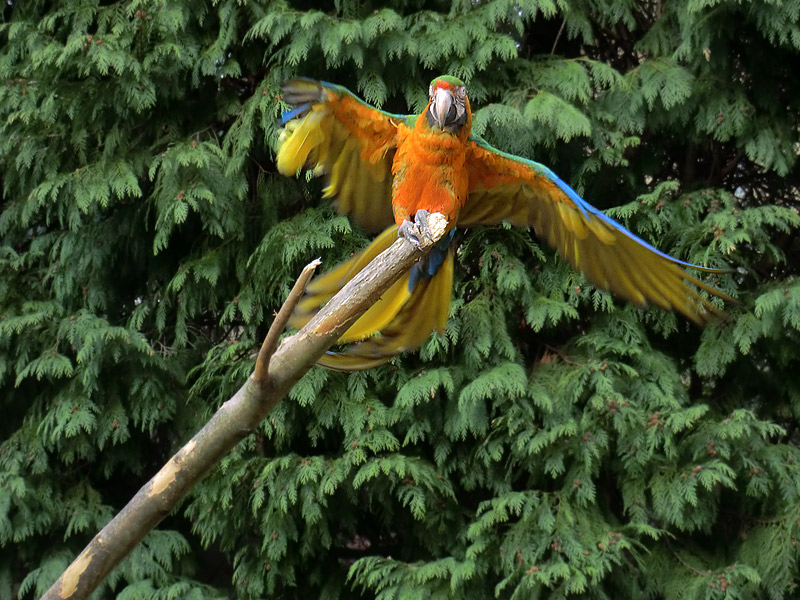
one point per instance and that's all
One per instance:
(552, 443)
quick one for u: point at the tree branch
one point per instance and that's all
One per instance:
(558, 37)
(240, 415)
(279, 324)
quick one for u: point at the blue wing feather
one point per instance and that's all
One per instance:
(297, 112)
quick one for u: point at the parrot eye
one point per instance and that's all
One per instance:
(461, 91)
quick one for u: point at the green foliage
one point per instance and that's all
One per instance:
(552, 442)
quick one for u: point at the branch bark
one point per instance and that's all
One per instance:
(279, 324)
(241, 414)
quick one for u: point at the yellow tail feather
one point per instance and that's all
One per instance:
(400, 320)
(426, 310)
(323, 288)
(380, 314)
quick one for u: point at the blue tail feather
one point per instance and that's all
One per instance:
(429, 265)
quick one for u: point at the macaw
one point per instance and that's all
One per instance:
(386, 170)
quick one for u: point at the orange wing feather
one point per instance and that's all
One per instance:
(349, 140)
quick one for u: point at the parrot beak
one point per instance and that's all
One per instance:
(441, 105)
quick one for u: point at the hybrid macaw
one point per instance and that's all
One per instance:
(386, 168)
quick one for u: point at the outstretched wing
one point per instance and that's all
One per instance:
(504, 187)
(332, 131)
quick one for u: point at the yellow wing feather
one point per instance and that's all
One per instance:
(506, 188)
(350, 141)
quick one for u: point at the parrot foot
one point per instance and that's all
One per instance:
(413, 231)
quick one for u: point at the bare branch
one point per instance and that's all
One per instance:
(558, 37)
(279, 324)
(237, 417)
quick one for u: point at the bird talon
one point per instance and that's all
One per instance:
(410, 231)
(413, 232)
(421, 220)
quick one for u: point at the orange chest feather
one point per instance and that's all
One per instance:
(429, 173)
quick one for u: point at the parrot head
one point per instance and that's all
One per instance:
(448, 105)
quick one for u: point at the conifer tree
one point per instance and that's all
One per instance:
(552, 443)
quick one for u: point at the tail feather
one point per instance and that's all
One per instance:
(425, 311)
(324, 287)
(401, 320)
(380, 314)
